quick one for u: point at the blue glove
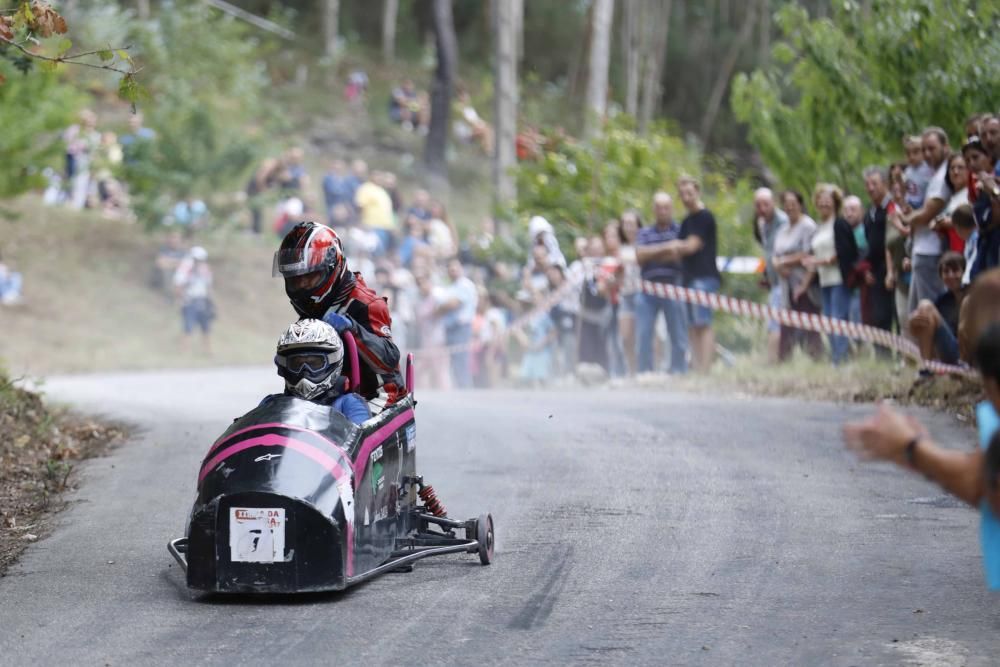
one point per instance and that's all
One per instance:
(339, 322)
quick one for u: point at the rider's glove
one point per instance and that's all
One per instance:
(339, 322)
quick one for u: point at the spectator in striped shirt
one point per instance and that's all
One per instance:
(660, 262)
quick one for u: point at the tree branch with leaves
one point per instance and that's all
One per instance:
(22, 29)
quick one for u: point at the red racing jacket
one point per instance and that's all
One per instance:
(379, 356)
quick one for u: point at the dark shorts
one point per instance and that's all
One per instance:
(197, 313)
(701, 316)
(946, 344)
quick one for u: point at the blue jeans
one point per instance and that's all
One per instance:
(647, 308)
(837, 304)
(461, 374)
(701, 316)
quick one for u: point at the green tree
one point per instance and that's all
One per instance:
(206, 85)
(34, 107)
(844, 89)
(578, 186)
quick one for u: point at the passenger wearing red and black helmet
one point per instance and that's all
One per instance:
(320, 286)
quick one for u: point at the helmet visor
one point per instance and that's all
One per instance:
(310, 362)
(295, 262)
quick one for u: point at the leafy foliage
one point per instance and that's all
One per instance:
(844, 90)
(206, 92)
(33, 109)
(579, 186)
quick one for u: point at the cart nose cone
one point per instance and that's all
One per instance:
(264, 543)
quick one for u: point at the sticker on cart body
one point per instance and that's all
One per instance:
(256, 535)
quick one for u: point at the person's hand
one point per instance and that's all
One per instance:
(339, 322)
(890, 281)
(907, 264)
(883, 436)
(799, 292)
(810, 262)
(869, 278)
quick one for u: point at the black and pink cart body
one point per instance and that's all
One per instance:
(294, 498)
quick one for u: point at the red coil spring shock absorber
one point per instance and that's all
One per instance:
(431, 502)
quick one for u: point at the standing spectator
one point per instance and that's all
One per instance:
(791, 246)
(991, 139)
(834, 253)
(659, 261)
(421, 205)
(540, 231)
(168, 258)
(534, 275)
(612, 272)
(294, 179)
(459, 310)
(82, 142)
(433, 363)
(538, 338)
(984, 193)
(917, 174)
(415, 235)
(897, 244)
(697, 250)
(441, 234)
(564, 315)
(595, 307)
(881, 306)
(769, 219)
(375, 207)
(958, 181)
(193, 282)
(854, 214)
(10, 285)
(926, 283)
(403, 105)
(338, 187)
(262, 180)
(630, 224)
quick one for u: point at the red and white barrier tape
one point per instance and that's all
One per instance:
(807, 321)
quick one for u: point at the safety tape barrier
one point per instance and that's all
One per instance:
(806, 321)
(739, 308)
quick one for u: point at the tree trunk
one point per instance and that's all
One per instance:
(600, 58)
(726, 71)
(631, 47)
(518, 13)
(441, 93)
(659, 20)
(576, 65)
(505, 94)
(142, 9)
(765, 35)
(390, 9)
(331, 8)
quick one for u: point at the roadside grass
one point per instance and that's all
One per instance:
(39, 451)
(88, 304)
(864, 380)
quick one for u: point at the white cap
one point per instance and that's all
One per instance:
(199, 253)
(537, 225)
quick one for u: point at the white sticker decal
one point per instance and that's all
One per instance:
(256, 535)
(346, 499)
(411, 437)
(376, 454)
(368, 519)
(386, 331)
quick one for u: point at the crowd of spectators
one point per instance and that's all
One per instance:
(92, 163)
(904, 259)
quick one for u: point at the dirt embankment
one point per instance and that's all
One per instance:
(39, 451)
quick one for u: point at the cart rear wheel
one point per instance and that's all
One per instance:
(484, 535)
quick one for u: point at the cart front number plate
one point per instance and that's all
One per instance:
(256, 535)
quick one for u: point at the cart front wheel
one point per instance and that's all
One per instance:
(484, 535)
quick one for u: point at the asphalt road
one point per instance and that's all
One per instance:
(631, 529)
